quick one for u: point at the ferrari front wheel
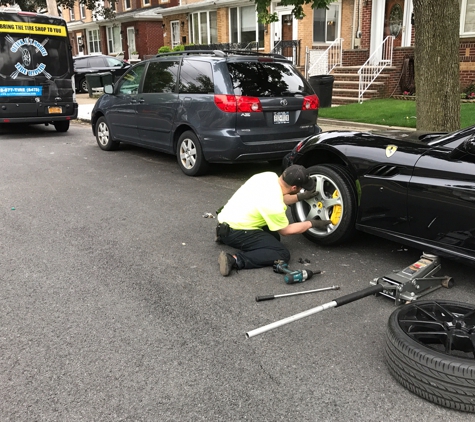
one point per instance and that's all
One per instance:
(335, 201)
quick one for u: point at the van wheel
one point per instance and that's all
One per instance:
(104, 137)
(190, 156)
(62, 126)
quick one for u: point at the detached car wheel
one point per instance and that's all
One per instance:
(190, 156)
(103, 136)
(335, 201)
(430, 350)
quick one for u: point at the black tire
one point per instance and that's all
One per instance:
(62, 126)
(82, 86)
(190, 155)
(336, 201)
(418, 357)
(104, 137)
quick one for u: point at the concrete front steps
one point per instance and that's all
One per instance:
(346, 85)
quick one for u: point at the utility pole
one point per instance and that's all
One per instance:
(52, 7)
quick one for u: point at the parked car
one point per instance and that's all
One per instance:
(416, 189)
(95, 64)
(208, 107)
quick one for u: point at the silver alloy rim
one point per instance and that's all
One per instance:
(327, 202)
(84, 86)
(188, 153)
(103, 134)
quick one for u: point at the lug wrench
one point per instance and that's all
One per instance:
(270, 297)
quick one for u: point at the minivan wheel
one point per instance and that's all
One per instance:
(62, 126)
(190, 156)
(103, 136)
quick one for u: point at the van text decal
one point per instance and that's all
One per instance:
(30, 28)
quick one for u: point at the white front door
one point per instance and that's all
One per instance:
(131, 40)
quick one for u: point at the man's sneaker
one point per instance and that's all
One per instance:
(226, 263)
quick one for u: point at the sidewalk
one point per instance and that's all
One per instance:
(86, 104)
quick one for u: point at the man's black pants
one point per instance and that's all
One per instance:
(257, 248)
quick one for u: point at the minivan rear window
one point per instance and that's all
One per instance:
(260, 79)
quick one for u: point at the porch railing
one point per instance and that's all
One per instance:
(289, 49)
(319, 62)
(382, 57)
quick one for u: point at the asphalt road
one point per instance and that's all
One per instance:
(113, 309)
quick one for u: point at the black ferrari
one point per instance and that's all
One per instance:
(410, 187)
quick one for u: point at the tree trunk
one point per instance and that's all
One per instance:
(436, 64)
(52, 7)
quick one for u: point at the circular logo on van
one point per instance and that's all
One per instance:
(283, 102)
(27, 46)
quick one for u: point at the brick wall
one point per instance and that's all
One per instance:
(346, 30)
(149, 38)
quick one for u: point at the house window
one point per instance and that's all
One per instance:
(72, 17)
(204, 28)
(127, 4)
(82, 11)
(467, 17)
(244, 26)
(114, 42)
(93, 41)
(326, 23)
(175, 25)
(146, 2)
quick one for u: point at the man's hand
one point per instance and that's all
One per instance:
(320, 224)
(308, 194)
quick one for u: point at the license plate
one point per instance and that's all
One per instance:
(281, 117)
(54, 110)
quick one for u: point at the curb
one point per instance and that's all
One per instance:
(335, 122)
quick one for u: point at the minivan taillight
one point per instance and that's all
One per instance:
(248, 104)
(237, 103)
(310, 102)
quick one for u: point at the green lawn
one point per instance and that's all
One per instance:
(389, 112)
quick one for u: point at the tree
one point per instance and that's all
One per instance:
(436, 57)
(436, 64)
(263, 6)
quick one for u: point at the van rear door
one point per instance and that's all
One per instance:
(35, 68)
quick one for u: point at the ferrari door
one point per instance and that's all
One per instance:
(441, 199)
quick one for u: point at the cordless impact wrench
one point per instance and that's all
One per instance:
(291, 277)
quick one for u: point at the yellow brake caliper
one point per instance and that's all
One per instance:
(337, 210)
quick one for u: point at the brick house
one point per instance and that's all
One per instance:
(357, 28)
(137, 26)
(361, 24)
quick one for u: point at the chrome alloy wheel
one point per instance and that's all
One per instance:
(188, 153)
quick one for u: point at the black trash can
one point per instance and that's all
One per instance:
(98, 80)
(323, 87)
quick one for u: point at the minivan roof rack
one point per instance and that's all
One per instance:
(223, 53)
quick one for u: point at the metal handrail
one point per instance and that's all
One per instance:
(381, 58)
(328, 60)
